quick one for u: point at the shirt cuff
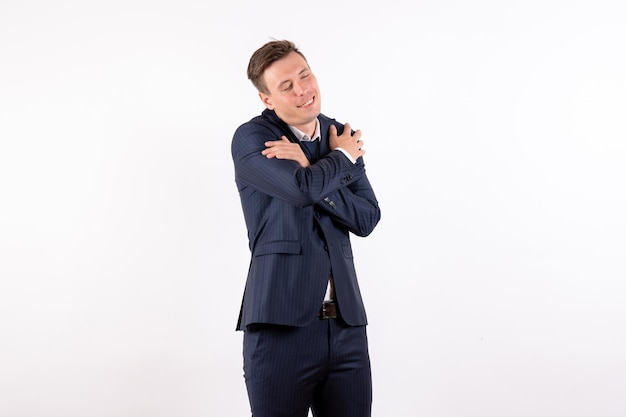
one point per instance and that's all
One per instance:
(346, 154)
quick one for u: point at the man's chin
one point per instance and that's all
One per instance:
(314, 111)
(301, 118)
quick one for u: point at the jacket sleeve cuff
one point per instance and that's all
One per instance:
(346, 154)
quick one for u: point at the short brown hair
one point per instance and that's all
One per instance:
(266, 56)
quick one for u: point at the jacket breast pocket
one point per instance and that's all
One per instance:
(289, 247)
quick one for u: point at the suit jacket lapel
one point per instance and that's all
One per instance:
(272, 117)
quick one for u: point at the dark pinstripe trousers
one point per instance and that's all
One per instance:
(324, 366)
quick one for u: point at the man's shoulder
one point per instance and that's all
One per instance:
(326, 119)
(257, 123)
(256, 120)
(252, 135)
(266, 119)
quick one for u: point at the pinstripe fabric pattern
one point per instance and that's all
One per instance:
(299, 221)
(323, 366)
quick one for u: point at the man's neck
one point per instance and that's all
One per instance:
(308, 129)
(305, 136)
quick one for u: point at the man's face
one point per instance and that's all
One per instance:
(293, 92)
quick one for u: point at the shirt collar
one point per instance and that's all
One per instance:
(302, 137)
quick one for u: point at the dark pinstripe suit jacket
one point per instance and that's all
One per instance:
(298, 222)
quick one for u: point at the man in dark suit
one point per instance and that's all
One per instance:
(303, 189)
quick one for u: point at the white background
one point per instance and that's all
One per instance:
(496, 143)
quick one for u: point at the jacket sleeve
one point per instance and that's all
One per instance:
(286, 179)
(354, 206)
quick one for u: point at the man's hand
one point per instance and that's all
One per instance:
(346, 141)
(283, 149)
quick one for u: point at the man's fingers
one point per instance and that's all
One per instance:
(282, 140)
(284, 149)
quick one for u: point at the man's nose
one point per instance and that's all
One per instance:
(299, 88)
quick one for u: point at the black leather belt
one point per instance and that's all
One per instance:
(328, 310)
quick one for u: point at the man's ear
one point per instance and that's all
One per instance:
(267, 100)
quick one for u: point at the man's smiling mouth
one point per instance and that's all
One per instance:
(308, 103)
